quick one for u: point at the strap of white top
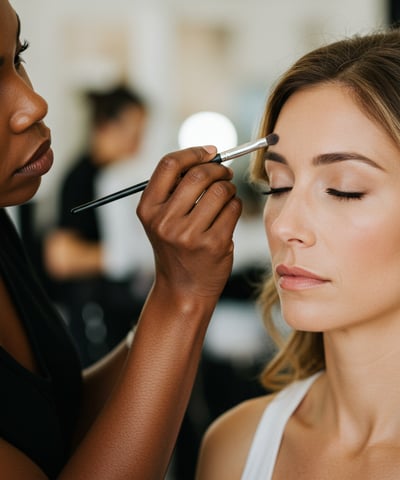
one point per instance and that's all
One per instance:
(267, 439)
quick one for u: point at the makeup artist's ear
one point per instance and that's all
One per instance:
(172, 166)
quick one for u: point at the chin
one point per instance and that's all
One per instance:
(306, 319)
(20, 196)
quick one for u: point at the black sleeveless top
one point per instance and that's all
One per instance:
(38, 413)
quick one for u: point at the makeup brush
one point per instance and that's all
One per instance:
(230, 154)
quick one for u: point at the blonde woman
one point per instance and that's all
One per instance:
(333, 227)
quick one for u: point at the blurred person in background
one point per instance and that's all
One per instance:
(98, 303)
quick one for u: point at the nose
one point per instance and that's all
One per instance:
(29, 108)
(291, 220)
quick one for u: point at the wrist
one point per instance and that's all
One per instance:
(177, 313)
(183, 298)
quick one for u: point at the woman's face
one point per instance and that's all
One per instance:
(334, 228)
(25, 153)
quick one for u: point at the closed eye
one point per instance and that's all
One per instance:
(341, 195)
(277, 191)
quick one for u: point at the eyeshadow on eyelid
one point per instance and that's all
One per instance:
(274, 156)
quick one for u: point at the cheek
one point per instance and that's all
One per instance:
(271, 212)
(371, 243)
(366, 266)
(8, 159)
(267, 219)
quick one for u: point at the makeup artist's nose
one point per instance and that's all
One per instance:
(29, 108)
(294, 220)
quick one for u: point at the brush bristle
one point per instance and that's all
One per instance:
(272, 139)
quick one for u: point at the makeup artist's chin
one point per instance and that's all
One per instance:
(23, 196)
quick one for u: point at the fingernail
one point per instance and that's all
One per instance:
(210, 148)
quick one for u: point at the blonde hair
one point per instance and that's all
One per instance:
(369, 68)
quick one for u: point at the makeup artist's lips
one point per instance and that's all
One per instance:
(296, 278)
(39, 163)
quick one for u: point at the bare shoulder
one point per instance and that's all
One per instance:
(227, 441)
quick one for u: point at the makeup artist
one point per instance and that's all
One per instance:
(333, 227)
(120, 418)
(75, 251)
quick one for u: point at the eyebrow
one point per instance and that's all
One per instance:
(326, 158)
(2, 59)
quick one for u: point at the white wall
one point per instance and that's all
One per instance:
(163, 53)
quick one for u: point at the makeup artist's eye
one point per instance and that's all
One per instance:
(277, 191)
(22, 48)
(345, 195)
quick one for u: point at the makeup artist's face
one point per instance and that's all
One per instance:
(334, 229)
(25, 153)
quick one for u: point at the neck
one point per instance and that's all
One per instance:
(362, 391)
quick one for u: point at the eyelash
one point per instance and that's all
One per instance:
(18, 59)
(277, 191)
(345, 195)
(340, 195)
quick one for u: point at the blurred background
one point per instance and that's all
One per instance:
(183, 57)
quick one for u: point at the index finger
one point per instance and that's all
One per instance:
(171, 167)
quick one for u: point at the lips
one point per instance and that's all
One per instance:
(40, 161)
(296, 278)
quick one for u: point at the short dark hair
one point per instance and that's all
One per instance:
(107, 105)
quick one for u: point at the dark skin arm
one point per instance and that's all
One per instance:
(135, 433)
(135, 400)
(98, 382)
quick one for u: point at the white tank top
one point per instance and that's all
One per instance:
(267, 439)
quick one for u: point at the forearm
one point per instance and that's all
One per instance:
(135, 434)
(99, 381)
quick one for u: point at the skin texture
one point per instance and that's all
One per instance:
(134, 401)
(347, 426)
